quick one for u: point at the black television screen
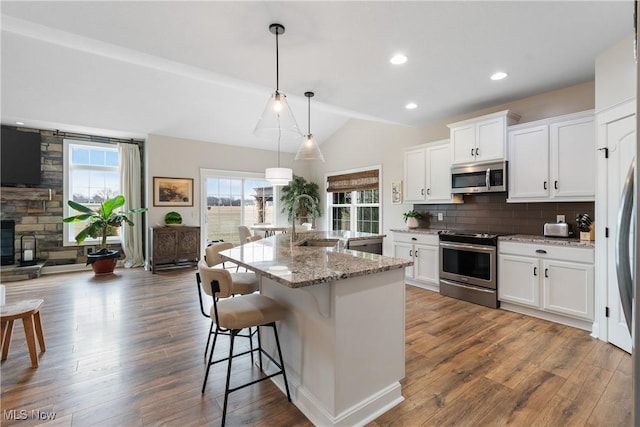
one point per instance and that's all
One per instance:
(19, 157)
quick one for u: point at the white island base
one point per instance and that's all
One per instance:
(343, 346)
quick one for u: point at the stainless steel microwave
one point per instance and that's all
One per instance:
(479, 178)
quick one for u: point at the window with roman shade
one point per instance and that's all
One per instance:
(354, 203)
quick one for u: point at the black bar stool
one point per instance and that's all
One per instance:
(231, 315)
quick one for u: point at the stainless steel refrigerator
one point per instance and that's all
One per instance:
(627, 269)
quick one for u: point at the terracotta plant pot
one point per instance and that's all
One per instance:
(104, 265)
(104, 261)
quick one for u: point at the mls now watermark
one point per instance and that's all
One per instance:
(23, 414)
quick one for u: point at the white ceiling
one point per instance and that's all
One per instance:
(204, 70)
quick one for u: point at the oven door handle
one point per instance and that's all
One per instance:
(474, 248)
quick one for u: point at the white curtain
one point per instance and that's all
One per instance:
(130, 184)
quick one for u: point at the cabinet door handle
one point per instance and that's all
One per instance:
(555, 184)
(477, 152)
(546, 272)
(428, 191)
(535, 271)
(416, 253)
(410, 252)
(541, 251)
(472, 153)
(544, 185)
(422, 191)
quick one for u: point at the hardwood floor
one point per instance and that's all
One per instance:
(127, 350)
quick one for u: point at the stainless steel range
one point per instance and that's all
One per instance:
(468, 267)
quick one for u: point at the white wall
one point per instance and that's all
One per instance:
(615, 74)
(183, 158)
(362, 144)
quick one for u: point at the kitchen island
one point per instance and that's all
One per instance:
(343, 340)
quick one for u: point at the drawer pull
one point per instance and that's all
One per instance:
(541, 251)
(414, 238)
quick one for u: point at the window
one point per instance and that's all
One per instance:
(235, 199)
(92, 175)
(355, 201)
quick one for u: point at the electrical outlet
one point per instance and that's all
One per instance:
(560, 218)
(440, 216)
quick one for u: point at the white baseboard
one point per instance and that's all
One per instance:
(71, 268)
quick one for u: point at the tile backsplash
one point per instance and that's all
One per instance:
(491, 213)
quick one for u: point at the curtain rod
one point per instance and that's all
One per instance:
(93, 138)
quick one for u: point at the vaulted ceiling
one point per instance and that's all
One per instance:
(204, 70)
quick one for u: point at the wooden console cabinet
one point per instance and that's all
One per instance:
(175, 247)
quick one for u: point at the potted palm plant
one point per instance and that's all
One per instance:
(102, 223)
(290, 192)
(411, 218)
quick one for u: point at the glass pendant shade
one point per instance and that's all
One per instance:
(309, 149)
(278, 176)
(277, 119)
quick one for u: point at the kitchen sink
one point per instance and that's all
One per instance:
(323, 243)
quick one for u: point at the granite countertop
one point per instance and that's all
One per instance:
(417, 230)
(556, 241)
(284, 261)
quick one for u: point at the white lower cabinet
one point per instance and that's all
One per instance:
(548, 281)
(423, 250)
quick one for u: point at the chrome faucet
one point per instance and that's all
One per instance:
(296, 202)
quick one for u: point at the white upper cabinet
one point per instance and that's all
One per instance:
(415, 173)
(573, 163)
(553, 159)
(528, 166)
(482, 138)
(438, 173)
(427, 174)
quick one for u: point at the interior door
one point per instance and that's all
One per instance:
(621, 142)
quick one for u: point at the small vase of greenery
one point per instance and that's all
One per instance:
(411, 218)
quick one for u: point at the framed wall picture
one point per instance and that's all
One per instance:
(172, 191)
(396, 192)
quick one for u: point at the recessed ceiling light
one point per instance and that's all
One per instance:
(398, 59)
(499, 75)
(411, 106)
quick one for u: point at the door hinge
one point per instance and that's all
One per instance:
(606, 232)
(606, 152)
(606, 312)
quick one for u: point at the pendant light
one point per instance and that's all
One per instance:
(277, 118)
(278, 176)
(309, 149)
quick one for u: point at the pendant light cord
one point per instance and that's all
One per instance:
(277, 64)
(309, 116)
(279, 134)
